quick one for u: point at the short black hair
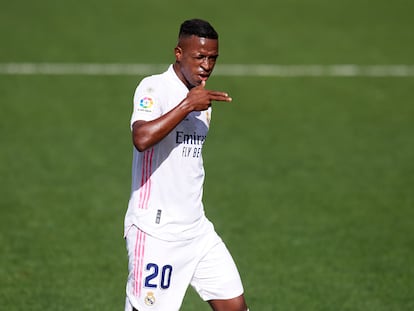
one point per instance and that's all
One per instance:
(197, 27)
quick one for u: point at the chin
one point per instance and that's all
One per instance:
(194, 84)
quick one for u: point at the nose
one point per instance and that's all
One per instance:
(207, 63)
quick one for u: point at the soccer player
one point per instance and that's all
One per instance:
(170, 242)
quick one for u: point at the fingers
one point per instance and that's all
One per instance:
(200, 99)
(220, 96)
(216, 95)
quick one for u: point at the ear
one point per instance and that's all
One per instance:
(178, 53)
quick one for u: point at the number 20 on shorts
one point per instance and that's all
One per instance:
(157, 277)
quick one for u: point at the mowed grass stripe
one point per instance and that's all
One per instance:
(252, 70)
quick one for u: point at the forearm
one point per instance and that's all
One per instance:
(145, 134)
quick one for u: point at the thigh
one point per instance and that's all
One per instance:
(233, 304)
(159, 271)
(216, 275)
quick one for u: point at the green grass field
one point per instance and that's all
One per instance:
(310, 181)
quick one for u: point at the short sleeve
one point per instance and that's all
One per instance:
(147, 103)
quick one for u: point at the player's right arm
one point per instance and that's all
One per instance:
(146, 134)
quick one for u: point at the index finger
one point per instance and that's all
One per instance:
(220, 96)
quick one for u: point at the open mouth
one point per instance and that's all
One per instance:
(203, 77)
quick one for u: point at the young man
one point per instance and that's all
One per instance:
(170, 242)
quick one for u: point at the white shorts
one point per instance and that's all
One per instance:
(160, 271)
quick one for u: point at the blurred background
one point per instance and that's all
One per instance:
(309, 178)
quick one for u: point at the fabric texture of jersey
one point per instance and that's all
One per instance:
(167, 179)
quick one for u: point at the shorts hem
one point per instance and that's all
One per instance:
(235, 294)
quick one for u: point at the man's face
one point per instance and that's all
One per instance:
(195, 59)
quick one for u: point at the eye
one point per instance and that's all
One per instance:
(207, 58)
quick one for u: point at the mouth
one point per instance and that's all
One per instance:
(203, 76)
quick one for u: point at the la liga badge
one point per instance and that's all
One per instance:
(146, 103)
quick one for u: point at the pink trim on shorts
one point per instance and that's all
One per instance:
(139, 261)
(145, 189)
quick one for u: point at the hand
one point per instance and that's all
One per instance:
(199, 98)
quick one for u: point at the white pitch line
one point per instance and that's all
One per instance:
(238, 70)
(317, 70)
(79, 69)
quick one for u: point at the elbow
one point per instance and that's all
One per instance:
(141, 148)
(141, 138)
(141, 144)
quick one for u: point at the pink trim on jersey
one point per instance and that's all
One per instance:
(145, 188)
(139, 262)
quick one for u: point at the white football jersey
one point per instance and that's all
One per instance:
(167, 179)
